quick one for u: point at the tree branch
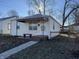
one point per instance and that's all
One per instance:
(69, 14)
(64, 9)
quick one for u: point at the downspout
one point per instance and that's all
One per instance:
(16, 26)
(10, 27)
(1, 28)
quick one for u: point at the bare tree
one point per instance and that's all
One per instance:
(43, 6)
(37, 6)
(76, 16)
(69, 7)
(12, 13)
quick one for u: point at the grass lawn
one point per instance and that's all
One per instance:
(7, 42)
(58, 48)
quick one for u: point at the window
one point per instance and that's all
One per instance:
(53, 26)
(18, 27)
(42, 28)
(9, 26)
(32, 27)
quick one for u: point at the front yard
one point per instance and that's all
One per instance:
(7, 42)
(59, 47)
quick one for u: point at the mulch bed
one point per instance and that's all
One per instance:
(7, 42)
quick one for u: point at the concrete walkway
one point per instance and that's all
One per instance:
(10, 52)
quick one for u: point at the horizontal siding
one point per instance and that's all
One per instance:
(0, 27)
(22, 28)
(54, 31)
(4, 25)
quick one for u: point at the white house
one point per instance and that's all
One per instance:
(36, 25)
(75, 27)
(8, 25)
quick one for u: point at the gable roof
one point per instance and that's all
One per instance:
(37, 16)
(55, 20)
(2, 19)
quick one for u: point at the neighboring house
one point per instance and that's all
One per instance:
(7, 25)
(75, 27)
(66, 28)
(36, 25)
(72, 28)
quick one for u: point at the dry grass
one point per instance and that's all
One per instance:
(8, 42)
(58, 48)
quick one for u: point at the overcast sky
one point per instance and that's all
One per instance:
(21, 6)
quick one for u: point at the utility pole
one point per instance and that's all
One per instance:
(29, 9)
(44, 4)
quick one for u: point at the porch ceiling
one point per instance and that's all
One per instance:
(34, 19)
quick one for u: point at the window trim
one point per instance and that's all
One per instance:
(9, 26)
(31, 27)
(53, 26)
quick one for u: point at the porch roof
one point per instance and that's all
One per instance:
(34, 18)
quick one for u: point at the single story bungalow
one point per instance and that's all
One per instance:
(36, 25)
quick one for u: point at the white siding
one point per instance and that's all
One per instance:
(39, 31)
(34, 32)
(4, 24)
(22, 28)
(13, 27)
(0, 27)
(47, 28)
(56, 29)
(5, 27)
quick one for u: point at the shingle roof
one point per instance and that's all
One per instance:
(37, 16)
(1, 19)
(33, 17)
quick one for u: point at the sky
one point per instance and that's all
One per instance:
(18, 5)
(21, 6)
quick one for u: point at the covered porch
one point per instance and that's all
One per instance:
(37, 26)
